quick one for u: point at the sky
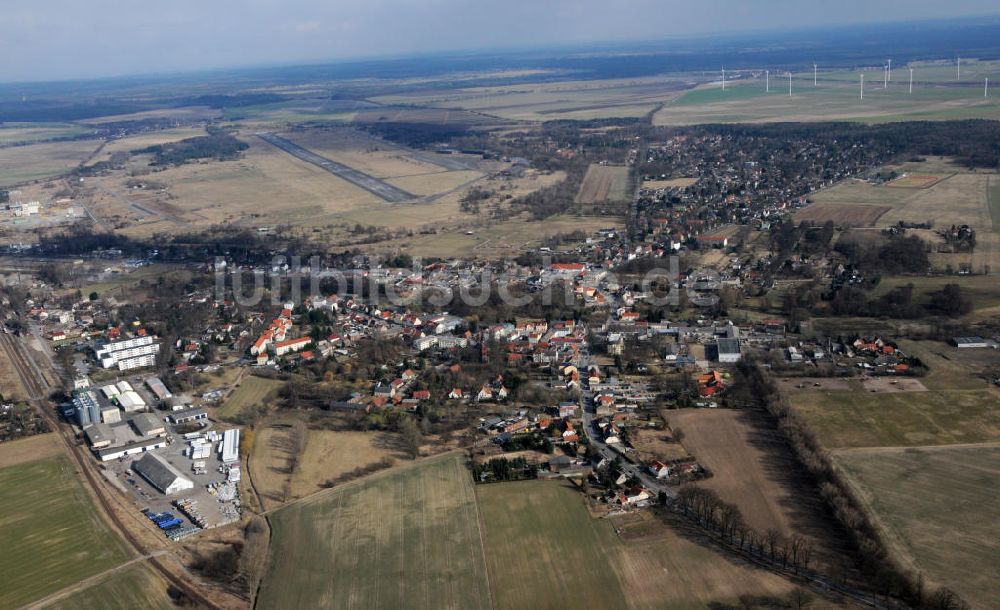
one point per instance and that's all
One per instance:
(60, 39)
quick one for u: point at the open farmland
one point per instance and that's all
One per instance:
(549, 101)
(842, 214)
(959, 197)
(956, 407)
(752, 467)
(604, 183)
(405, 538)
(52, 535)
(23, 133)
(836, 98)
(252, 392)
(145, 140)
(937, 510)
(26, 163)
(544, 550)
(133, 587)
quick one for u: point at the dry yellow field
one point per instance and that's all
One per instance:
(603, 183)
(670, 183)
(330, 454)
(29, 449)
(187, 113)
(279, 476)
(937, 510)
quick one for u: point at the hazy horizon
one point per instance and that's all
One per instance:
(69, 41)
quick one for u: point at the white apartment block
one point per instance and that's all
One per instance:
(129, 353)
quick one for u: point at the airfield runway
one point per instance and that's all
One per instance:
(373, 185)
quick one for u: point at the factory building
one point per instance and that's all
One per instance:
(158, 388)
(99, 435)
(147, 424)
(230, 449)
(161, 474)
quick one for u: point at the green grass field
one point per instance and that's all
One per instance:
(544, 550)
(252, 391)
(938, 510)
(409, 538)
(133, 587)
(52, 536)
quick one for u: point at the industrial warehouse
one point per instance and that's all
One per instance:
(162, 452)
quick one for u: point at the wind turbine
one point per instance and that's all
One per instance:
(723, 78)
(767, 81)
(789, 83)
(890, 70)
(814, 74)
(911, 80)
(958, 66)
(862, 85)
(885, 77)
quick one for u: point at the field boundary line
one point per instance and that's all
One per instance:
(482, 547)
(355, 482)
(903, 448)
(89, 582)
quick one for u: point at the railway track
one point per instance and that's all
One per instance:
(30, 376)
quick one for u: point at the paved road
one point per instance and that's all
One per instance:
(375, 186)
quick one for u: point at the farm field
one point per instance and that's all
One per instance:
(746, 101)
(36, 161)
(507, 238)
(252, 392)
(28, 449)
(19, 133)
(408, 537)
(133, 587)
(901, 419)
(543, 548)
(52, 534)
(574, 556)
(603, 183)
(145, 140)
(960, 197)
(668, 183)
(842, 214)
(580, 100)
(744, 457)
(911, 490)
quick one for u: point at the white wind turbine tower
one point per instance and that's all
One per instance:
(958, 67)
(885, 77)
(911, 80)
(767, 81)
(862, 85)
(723, 78)
(889, 74)
(789, 83)
(814, 74)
